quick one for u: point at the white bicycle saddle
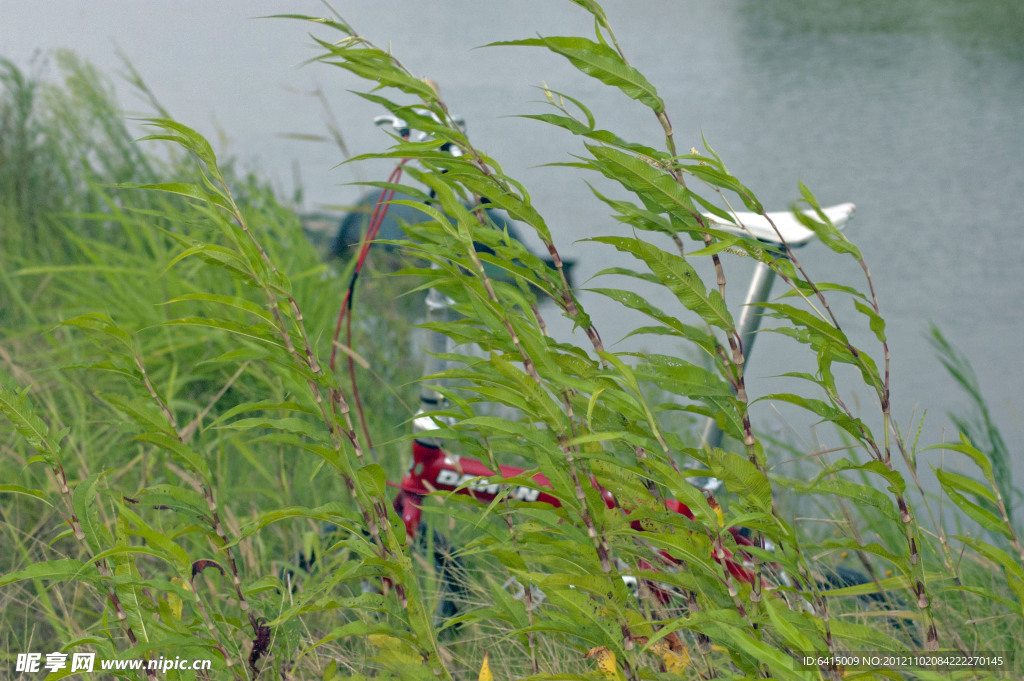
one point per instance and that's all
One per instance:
(795, 234)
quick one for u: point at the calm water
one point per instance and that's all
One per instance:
(915, 112)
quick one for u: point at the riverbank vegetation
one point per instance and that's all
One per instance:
(174, 441)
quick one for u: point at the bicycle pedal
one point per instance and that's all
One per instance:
(518, 592)
(633, 584)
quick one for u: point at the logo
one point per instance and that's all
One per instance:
(449, 478)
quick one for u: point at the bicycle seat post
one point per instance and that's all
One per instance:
(772, 229)
(437, 304)
(750, 319)
(436, 343)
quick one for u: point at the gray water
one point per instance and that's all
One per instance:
(912, 110)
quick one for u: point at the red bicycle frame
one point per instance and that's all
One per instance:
(434, 470)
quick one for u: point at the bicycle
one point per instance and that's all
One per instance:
(435, 470)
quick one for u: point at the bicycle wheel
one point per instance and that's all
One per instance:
(450, 576)
(432, 551)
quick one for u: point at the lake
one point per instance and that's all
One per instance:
(912, 110)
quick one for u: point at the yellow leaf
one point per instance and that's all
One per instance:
(383, 641)
(717, 508)
(394, 650)
(676, 662)
(174, 601)
(485, 670)
(606, 662)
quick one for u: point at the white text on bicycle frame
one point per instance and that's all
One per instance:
(483, 485)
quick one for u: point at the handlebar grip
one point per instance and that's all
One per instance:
(403, 128)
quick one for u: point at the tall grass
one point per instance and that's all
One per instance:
(175, 436)
(92, 253)
(977, 423)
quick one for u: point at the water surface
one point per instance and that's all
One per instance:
(912, 110)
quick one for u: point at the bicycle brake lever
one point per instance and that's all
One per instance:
(398, 124)
(401, 126)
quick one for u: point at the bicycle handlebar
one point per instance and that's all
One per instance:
(402, 127)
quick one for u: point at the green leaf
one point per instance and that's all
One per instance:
(176, 498)
(718, 177)
(231, 301)
(158, 544)
(180, 450)
(186, 137)
(789, 625)
(104, 325)
(808, 320)
(288, 424)
(374, 65)
(875, 321)
(654, 185)
(261, 333)
(966, 448)
(18, 489)
(335, 23)
(604, 136)
(192, 191)
(823, 227)
(332, 512)
(142, 412)
(28, 425)
(86, 504)
(862, 494)
(679, 277)
(626, 272)
(681, 377)
(864, 637)
(219, 256)
(895, 479)
(262, 405)
(518, 207)
(741, 477)
(781, 664)
(62, 570)
(372, 478)
(804, 289)
(987, 519)
(996, 555)
(990, 595)
(126, 579)
(600, 62)
(854, 426)
(962, 483)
